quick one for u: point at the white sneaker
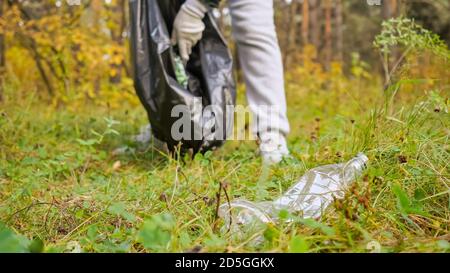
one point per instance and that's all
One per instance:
(273, 148)
(146, 139)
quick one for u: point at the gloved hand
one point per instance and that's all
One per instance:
(188, 27)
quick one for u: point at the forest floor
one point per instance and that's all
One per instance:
(63, 189)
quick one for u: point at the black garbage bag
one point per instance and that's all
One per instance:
(210, 89)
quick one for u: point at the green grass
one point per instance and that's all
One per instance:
(62, 192)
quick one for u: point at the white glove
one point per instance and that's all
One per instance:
(188, 27)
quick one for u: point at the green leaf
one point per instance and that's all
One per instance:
(36, 246)
(92, 232)
(271, 233)
(119, 209)
(403, 202)
(284, 214)
(298, 244)
(185, 239)
(11, 242)
(30, 161)
(405, 205)
(215, 242)
(327, 230)
(112, 132)
(443, 244)
(155, 233)
(88, 142)
(419, 194)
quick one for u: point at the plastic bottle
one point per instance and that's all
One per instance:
(308, 198)
(180, 71)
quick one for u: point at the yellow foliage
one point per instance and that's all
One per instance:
(78, 59)
(311, 75)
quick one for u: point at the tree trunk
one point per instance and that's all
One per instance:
(328, 34)
(2, 55)
(2, 43)
(119, 18)
(315, 23)
(305, 22)
(123, 28)
(390, 9)
(292, 34)
(283, 36)
(339, 31)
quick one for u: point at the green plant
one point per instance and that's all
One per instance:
(100, 136)
(406, 34)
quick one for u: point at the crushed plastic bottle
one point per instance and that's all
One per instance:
(180, 71)
(308, 198)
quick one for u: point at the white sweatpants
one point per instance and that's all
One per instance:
(253, 28)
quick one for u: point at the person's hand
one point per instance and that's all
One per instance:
(188, 27)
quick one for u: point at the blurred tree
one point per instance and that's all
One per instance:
(2, 42)
(339, 31)
(328, 50)
(315, 22)
(2, 53)
(117, 22)
(390, 9)
(305, 22)
(292, 31)
(73, 46)
(59, 46)
(432, 14)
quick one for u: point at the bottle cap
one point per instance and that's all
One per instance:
(361, 161)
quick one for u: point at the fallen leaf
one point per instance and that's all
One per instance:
(117, 165)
